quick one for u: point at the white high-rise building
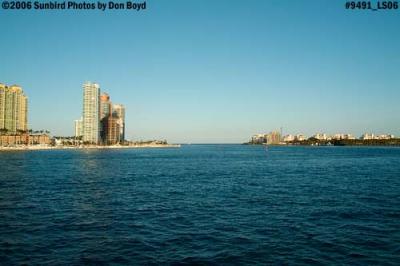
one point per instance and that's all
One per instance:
(79, 128)
(91, 112)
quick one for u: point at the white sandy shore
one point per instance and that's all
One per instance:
(40, 147)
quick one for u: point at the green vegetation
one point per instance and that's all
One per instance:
(20, 132)
(369, 142)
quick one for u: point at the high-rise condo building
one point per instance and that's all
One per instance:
(2, 105)
(79, 128)
(119, 113)
(91, 113)
(273, 137)
(112, 128)
(13, 109)
(102, 122)
(105, 105)
(105, 112)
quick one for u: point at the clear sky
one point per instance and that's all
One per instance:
(211, 71)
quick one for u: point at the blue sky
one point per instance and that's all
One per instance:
(211, 71)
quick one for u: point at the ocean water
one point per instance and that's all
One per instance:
(201, 204)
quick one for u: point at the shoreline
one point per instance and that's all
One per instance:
(343, 142)
(38, 147)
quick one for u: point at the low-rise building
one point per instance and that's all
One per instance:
(24, 139)
(300, 137)
(385, 136)
(67, 141)
(258, 139)
(343, 137)
(320, 136)
(349, 136)
(288, 138)
(367, 136)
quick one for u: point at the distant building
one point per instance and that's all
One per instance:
(119, 113)
(79, 128)
(270, 138)
(13, 109)
(288, 138)
(102, 122)
(105, 105)
(367, 136)
(258, 139)
(66, 141)
(91, 111)
(105, 112)
(24, 139)
(300, 137)
(112, 117)
(320, 136)
(273, 138)
(343, 137)
(112, 130)
(385, 136)
(2, 105)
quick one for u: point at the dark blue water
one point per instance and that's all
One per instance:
(201, 204)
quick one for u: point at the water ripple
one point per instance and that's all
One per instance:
(201, 204)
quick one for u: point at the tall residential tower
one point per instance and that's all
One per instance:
(102, 122)
(105, 111)
(13, 109)
(91, 113)
(119, 113)
(79, 128)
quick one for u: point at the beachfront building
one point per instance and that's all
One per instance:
(343, 136)
(25, 139)
(78, 128)
(105, 112)
(13, 110)
(288, 138)
(258, 139)
(349, 136)
(367, 136)
(2, 104)
(300, 137)
(273, 138)
(91, 112)
(118, 112)
(385, 136)
(270, 138)
(112, 130)
(112, 121)
(320, 136)
(102, 122)
(105, 105)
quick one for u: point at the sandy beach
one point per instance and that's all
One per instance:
(42, 147)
